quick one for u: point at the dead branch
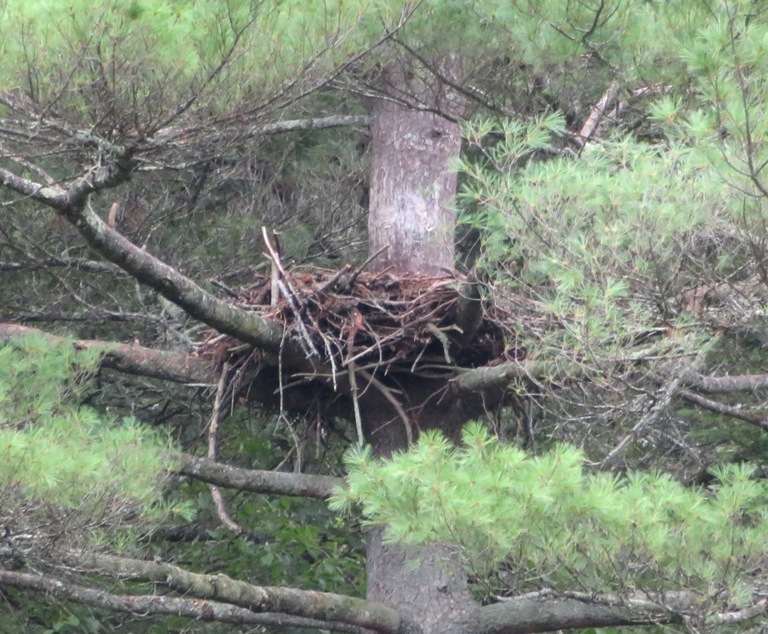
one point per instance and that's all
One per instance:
(192, 608)
(597, 113)
(258, 481)
(387, 394)
(321, 606)
(130, 358)
(283, 282)
(659, 407)
(213, 451)
(726, 410)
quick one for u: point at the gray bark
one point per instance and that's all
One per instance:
(259, 481)
(413, 183)
(427, 584)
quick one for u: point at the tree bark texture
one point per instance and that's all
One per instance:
(413, 182)
(427, 584)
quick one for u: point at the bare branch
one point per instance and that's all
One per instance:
(175, 287)
(498, 377)
(726, 410)
(130, 358)
(597, 113)
(726, 384)
(319, 123)
(52, 196)
(528, 615)
(321, 606)
(258, 481)
(157, 604)
(79, 264)
(213, 453)
(659, 407)
(170, 134)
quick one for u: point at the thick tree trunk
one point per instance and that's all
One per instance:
(413, 183)
(426, 583)
(411, 218)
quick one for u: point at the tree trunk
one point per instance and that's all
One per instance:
(413, 186)
(413, 183)
(426, 583)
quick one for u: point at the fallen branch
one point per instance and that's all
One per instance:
(659, 407)
(597, 113)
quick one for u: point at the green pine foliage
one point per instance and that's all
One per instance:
(61, 459)
(557, 525)
(607, 241)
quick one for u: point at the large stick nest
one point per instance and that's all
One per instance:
(378, 320)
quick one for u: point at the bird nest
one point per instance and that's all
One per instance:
(415, 323)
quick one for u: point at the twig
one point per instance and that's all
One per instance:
(283, 418)
(112, 216)
(418, 357)
(287, 290)
(328, 286)
(274, 277)
(356, 404)
(328, 349)
(650, 417)
(360, 268)
(597, 113)
(229, 291)
(442, 338)
(213, 424)
(213, 450)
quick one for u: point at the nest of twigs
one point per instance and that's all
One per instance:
(377, 320)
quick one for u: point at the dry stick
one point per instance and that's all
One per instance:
(287, 290)
(380, 363)
(328, 349)
(229, 291)
(360, 268)
(213, 441)
(442, 338)
(653, 413)
(356, 404)
(112, 217)
(597, 113)
(274, 295)
(376, 344)
(418, 357)
(329, 284)
(282, 417)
